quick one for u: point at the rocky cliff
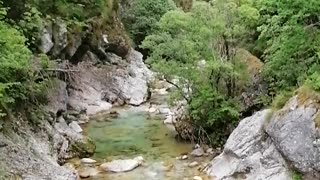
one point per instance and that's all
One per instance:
(274, 144)
(90, 76)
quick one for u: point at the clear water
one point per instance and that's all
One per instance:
(133, 134)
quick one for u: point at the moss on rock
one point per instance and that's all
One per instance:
(84, 148)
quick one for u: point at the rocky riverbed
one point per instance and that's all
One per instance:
(139, 142)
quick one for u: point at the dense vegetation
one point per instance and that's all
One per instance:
(23, 82)
(17, 78)
(195, 43)
(199, 47)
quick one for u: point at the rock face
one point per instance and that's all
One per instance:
(122, 165)
(269, 144)
(247, 154)
(99, 88)
(29, 155)
(46, 39)
(134, 86)
(294, 131)
(60, 36)
(58, 97)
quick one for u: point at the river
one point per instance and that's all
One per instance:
(133, 133)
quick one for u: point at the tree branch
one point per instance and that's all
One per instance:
(179, 88)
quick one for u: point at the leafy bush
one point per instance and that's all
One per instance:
(143, 15)
(17, 80)
(314, 81)
(292, 39)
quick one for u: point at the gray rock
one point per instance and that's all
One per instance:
(88, 172)
(197, 152)
(193, 164)
(135, 89)
(75, 126)
(60, 36)
(249, 154)
(33, 155)
(294, 133)
(46, 43)
(118, 166)
(57, 97)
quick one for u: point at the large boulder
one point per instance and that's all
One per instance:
(250, 154)
(255, 87)
(295, 132)
(134, 86)
(74, 144)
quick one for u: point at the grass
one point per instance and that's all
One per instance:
(296, 175)
(281, 99)
(306, 93)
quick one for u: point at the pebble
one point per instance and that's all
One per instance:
(197, 178)
(88, 161)
(184, 157)
(193, 164)
(88, 172)
(197, 152)
(210, 151)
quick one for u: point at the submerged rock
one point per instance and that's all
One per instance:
(122, 165)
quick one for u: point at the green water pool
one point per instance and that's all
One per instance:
(131, 134)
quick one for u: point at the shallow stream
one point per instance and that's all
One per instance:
(133, 133)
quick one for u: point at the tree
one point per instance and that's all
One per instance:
(197, 47)
(143, 15)
(290, 32)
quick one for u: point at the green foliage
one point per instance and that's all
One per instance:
(178, 48)
(292, 39)
(31, 24)
(296, 176)
(281, 99)
(143, 15)
(17, 76)
(314, 81)
(80, 10)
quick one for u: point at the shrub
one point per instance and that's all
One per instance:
(143, 15)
